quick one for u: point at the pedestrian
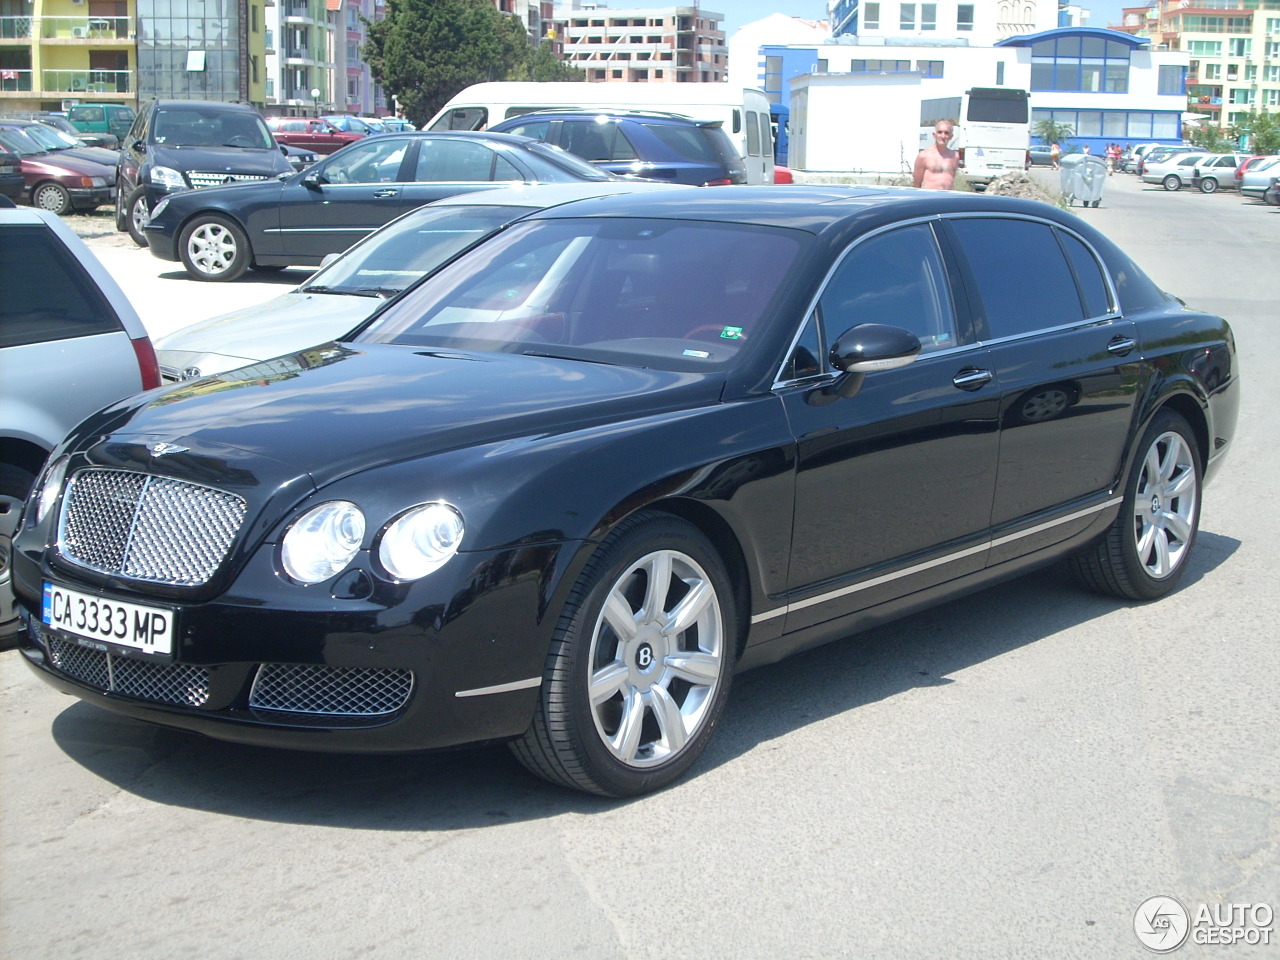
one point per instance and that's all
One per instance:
(937, 164)
(1113, 158)
(1055, 153)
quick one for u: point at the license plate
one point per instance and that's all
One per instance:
(132, 625)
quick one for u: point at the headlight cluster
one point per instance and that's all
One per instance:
(50, 488)
(168, 177)
(322, 541)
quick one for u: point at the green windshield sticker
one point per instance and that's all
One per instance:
(731, 333)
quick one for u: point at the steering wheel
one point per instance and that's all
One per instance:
(240, 140)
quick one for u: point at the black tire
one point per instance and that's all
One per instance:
(1146, 551)
(122, 215)
(52, 197)
(215, 249)
(1172, 182)
(136, 214)
(266, 268)
(658, 695)
(15, 487)
(1208, 185)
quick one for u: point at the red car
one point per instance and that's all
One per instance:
(312, 133)
(57, 183)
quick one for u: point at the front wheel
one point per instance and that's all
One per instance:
(639, 667)
(1172, 182)
(52, 197)
(138, 215)
(1208, 185)
(15, 487)
(213, 248)
(1145, 552)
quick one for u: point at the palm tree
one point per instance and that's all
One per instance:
(1051, 131)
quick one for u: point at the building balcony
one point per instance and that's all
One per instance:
(76, 82)
(15, 28)
(97, 30)
(14, 80)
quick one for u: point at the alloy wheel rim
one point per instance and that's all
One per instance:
(212, 249)
(655, 658)
(1165, 505)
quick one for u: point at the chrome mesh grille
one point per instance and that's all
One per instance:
(331, 691)
(148, 528)
(178, 683)
(214, 178)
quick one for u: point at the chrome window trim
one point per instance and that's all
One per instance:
(936, 562)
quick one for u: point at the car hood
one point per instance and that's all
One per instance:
(57, 163)
(264, 162)
(335, 409)
(263, 331)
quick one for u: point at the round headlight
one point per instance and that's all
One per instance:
(420, 541)
(50, 489)
(322, 541)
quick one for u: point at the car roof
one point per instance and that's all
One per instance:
(612, 113)
(536, 195)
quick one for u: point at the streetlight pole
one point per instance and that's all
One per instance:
(315, 100)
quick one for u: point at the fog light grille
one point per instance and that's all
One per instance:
(178, 683)
(330, 691)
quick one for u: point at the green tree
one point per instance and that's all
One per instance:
(1264, 132)
(425, 51)
(1051, 131)
(546, 66)
(1208, 137)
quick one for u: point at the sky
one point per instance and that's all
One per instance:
(740, 12)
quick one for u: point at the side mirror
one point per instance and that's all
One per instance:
(314, 180)
(864, 348)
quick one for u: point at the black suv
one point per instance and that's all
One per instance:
(177, 145)
(658, 146)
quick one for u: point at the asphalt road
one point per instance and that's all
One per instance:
(1009, 775)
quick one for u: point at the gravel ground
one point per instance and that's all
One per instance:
(98, 225)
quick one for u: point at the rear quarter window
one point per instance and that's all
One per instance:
(47, 293)
(691, 143)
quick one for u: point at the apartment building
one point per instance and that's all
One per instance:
(1234, 49)
(683, 44)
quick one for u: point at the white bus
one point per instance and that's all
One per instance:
(742, 111)
(992, 130)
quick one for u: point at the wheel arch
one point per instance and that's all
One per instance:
(1187, 406)
(22, 453)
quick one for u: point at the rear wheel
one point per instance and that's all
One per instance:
(1172, 182)
(1208, 185)
(213, 248)
(138, 214)
(52, 197)
(1145, 552)
(15, 486)
(640, 664)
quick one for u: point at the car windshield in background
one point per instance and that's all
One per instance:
(50, 139)
(675, 295)
(573, 162)
(404, 252)
(211, 128)
(15, 141)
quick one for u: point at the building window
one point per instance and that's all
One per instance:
(1213, 71)
(907, 16)
(1204, 48)
(1271, 98)
(929, 68)
(871, 16)
(1172, 80)
(928, 16)
(964, 17)
(1241, 97)
(1000, 73)
(1239, 47)
(1080, 65)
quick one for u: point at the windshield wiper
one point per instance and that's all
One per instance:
(560, 356)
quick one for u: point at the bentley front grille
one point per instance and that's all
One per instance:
(152, 529)
(177, 683)
(330, 691)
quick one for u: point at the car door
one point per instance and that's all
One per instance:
(1068, 369)
(894, 485)
(446, 166)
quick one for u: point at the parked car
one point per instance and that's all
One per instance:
(112, 118)
(11, 183)
(562, 490)
(312, 133)
(659, 146)
(59, 121)
(355, 284)
(1161, 153)
(180, 145)
(1174, 170)
(61, 144)
(1039, 157)
(218, 234)
(59, 184)
(1272, 194)
(70, 343)
(393, 124)
(299, 157)
(1216, 172)
(1257, 178)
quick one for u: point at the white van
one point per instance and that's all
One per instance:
(742, 111)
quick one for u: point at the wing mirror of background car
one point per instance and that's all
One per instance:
(865, 348)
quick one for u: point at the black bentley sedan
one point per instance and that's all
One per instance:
(561, 492)
(220, 232)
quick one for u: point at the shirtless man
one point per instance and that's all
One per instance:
(936, 165)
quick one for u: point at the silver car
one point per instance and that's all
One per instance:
(70, 343)
(357, 282)
(1257, 176)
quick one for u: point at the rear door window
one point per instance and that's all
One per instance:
(593, 140)
(47, 294)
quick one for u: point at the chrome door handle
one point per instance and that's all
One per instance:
(1121, 346)
(971, 378)
(389, 192)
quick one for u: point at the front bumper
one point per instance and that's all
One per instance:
(85, 196)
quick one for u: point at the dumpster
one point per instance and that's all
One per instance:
(1083, 177)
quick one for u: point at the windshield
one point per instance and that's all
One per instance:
(15, 141)
(49, 138)
(212, 128)
(407, 250)
(570, 161)
(670, 294)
